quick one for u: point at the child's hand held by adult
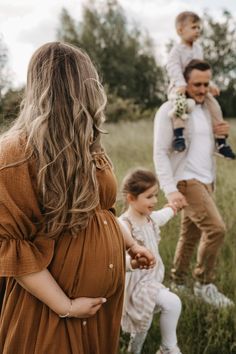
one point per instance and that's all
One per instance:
(142, 255)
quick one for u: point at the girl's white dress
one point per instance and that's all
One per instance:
(142, 286)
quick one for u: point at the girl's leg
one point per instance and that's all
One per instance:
(170, 306)
(136, 342)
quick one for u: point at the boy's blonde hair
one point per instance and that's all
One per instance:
(184, 16)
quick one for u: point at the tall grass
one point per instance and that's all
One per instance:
(202, 329)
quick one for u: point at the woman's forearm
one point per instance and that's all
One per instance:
(128, 239)
(44, 287)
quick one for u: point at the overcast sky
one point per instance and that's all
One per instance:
(26, 24)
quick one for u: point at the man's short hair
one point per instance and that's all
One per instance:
(184, 16)
(197, 64)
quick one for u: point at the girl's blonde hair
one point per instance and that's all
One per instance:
(136, 182)
(60, 117)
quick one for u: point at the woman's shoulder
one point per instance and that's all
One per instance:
(12, 149)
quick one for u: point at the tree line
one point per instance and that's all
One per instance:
(135, 81)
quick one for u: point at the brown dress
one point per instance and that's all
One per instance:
(91, 264)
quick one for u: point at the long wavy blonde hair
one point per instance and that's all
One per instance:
(60, 115)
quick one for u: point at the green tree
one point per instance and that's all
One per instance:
(68, 31)
(122, 53)
(219, 43)
(3, 65)
(4, 81)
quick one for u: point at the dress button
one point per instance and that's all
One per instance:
(111, 266)
(84, 323)
(105, 222)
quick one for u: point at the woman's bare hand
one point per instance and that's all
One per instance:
(84, 307)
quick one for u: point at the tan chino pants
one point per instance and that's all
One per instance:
(202, 225)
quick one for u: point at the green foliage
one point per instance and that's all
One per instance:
(219, 43)
(124, 56)
(119, 108)
(67, 31)
(10, 105)
(202, 329)
(3, 66)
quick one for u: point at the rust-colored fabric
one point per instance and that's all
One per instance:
(81, 265)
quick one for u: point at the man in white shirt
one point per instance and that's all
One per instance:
(187, 179)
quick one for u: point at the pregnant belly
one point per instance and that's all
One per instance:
(91, 264)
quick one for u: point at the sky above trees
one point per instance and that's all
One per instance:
(26, 24)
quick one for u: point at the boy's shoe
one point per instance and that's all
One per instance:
(174, 350)
(178, 144)
(211, 295)
(225, 151)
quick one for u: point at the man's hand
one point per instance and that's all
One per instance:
(221, 128)
(177, 199)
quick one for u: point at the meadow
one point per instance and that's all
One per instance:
(202, 328)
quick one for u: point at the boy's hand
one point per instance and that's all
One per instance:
(141, 257)
(214, 90)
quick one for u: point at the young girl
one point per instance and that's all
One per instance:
(145, 293)
(62, 260)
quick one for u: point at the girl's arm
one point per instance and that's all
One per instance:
(45, 288)
(162, 216)
(141, 254)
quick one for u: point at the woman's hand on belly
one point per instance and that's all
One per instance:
(84, 307)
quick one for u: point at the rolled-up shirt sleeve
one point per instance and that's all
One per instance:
(162, 145)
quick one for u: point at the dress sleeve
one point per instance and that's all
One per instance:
(23, 248)
(161, 217)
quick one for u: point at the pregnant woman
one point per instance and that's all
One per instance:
(61, 248)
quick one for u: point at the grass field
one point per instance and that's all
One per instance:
(202, 329)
